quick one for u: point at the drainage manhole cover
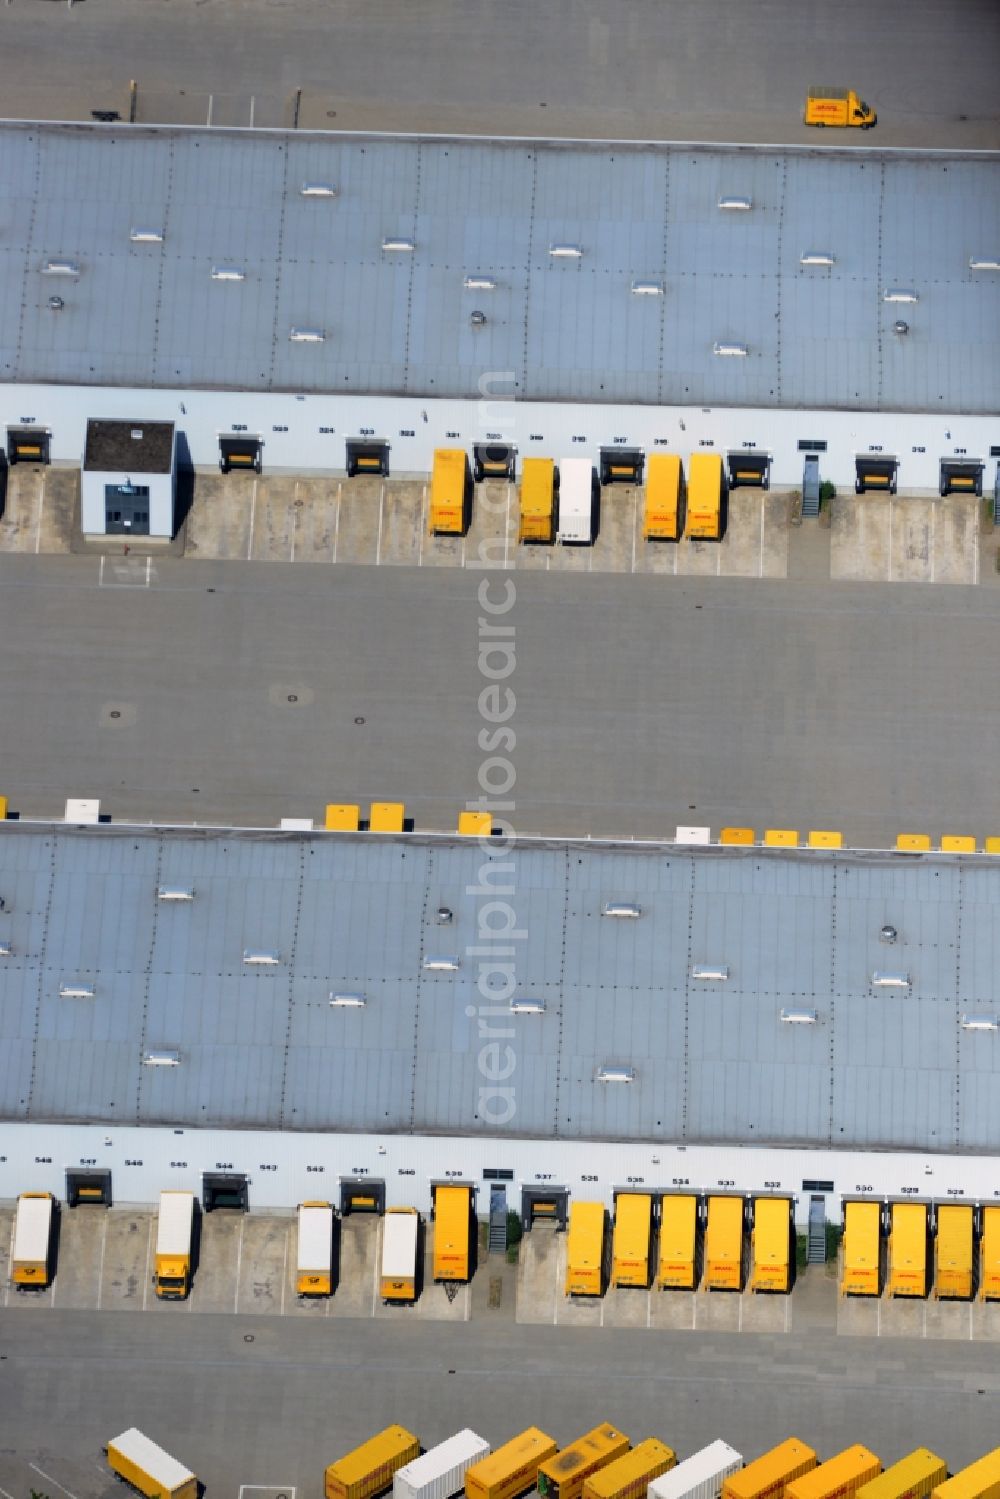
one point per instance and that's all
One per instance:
(359, 720)
(248, 1337)
(293, 697)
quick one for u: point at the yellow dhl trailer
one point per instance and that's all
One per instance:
(452, 1229)
(632, 1240)
(678, 1266)
(314, 1267)
(989, 1256)
(913, 1477)
(769, 1475)
(400, 1244)
(369, 1469)
(32, 1246)
(953, 1250)
(839, 1478)
(724, 1244)
(585, 1243)
(980, 1480)
(771, 1268)
(661, 516)
(538, 500)
(862, 1249)
(838, 106)
(629, 1477)
(449, 492)
(704, 497)
(140, 1462)
(908, 1249)
(563, 1476)
(512, 1469)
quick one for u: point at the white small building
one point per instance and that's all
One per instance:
(128, 482)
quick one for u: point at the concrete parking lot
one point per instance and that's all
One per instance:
(905, 539)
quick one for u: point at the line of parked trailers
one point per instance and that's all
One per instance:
(601, 1464)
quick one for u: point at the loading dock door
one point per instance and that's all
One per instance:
(875, 472)
(221, 1189)
(240, 453)
(961, 476)
(27, 445)
(544, 1204)
(88, 1187)
(621, 465)
(749, 470)
(364, 457)
(361, 1194)
(493, 460)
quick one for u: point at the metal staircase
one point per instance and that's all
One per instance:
(498, 1220)
(816, 1245)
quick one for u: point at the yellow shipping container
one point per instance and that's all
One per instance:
(767, 1476)
(632, 1240)
(772, 1236)
(839, 1478)
(989, 1255)
(629, 1477)
(678, 1267)
(369, 1469)
(980, 1480)
(908, 1249)
(704, 496)
(585, 1249)
(862, 1249)
(563, 1476)
(386, 817)
(449, 491)
(953, 1252)
(724, 1244)
(452, 1227)
(913, 1477)
(513, 1468)
(661, 517)
(538, 500)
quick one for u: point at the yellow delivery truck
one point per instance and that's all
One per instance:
(585, 1249)
(32, 1248)
(400, 1246)
(771, 1267)
(989, 1256)
(452, 1229)
(629, 1477)
(768, 1476)
(953, 1251)
(724, 1244)
(369, 1469)
(704, 497)
(861, 1274)
(661, 516)
(838, 106)
(138, 1461)
(563, 1476)
(980, 1480)
(449, 493)
(538, 500)
(678, 1267)
(512, 1470)
(632, 1241)
(913, 1477)
(908, 1249)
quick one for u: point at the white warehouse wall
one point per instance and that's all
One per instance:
(161, 500)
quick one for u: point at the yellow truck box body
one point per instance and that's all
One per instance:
(908, 1249)
(449, 481)
(837, 106)
(913, 1477)
(768, 1476)
(538, 500)
(387, 817)
(862, 1249)
(452, 1209)
(563, 1476)
(632, 1240)
(400, 1248)
(724, 1244)
(980, 1480)
(678, 1267)
(704, 496)
(139, 1461)
(31, 1248)
(174, 1232)
(953, 1250)
(629, 1477)
(369, 1469)
(585, 1250)
(661, 516)
(839, 1478)
(512, 1469)
(771, 1268)
(989, 1255)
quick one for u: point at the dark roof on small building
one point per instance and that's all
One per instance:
(137, 447)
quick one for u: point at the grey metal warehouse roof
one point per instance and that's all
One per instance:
(147, 311)
(262, 1047)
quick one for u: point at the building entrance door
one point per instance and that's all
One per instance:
(126, 509)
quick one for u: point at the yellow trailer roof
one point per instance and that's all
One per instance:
(585, 1239)
(448, 477)
(841, 1474)
(771, 1230)
(382, 1448)
(633, 1216)
(724, 1235)
(768, 1475)
(954, 1237)
(980, 1480)
(678, 1224)
(909, 1239)
(862, 1224)
(913, 1477)
(531, 1445)
(646, 1461)
(537, 477)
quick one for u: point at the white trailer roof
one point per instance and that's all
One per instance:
(173, 1233)
(718, 1459)
(32, 1227)
(464, 1446)
(399, 1243)
(144, 1452)
(315, 1251)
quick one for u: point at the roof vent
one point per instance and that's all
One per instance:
(710, 971)
(443, 916)
(816, 257)
(884, 980)
(441, 964)
(737, 205)
(146, 236)
(479, 283)
(393, 245)
(797, 1017)
(76, 991)
(175, 892)
(60, 268)
(901, 328)
(56, 304)
(527, 1007)
(256, 957)
(348, 1001)
(624, 908)
(160, 1058)
(477, 319)
(647, 288)
(980, 1023)
(730, 351)
(228, 273)
(984, 265)
(899, 294)
(566, 252)
(612, 1074)
(888, 934)
(318, 190)
(306, 335)
(6, 950)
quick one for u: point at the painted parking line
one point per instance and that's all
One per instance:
(49, 1479)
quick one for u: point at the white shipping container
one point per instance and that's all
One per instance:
(441, 1471)
(576, 500)
(399, 1246)
(700, 1476)
(173, 1232)
(315, 1238)
(165, 1471)
(32, 1230)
